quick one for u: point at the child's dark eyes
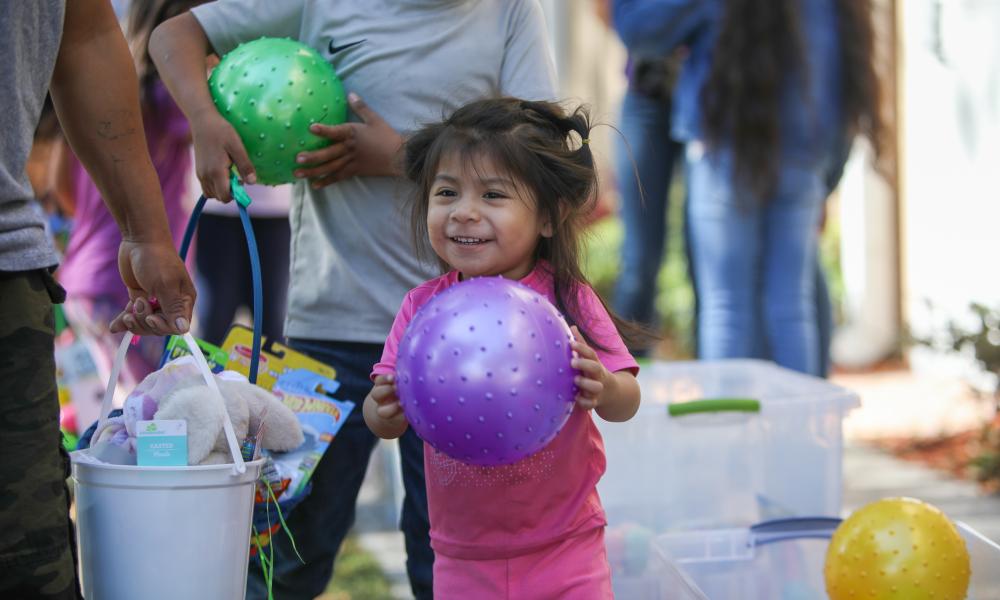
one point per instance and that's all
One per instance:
(449, 193)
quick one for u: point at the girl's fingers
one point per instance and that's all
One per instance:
(583, 350)
(589, 367)
(587, 386)
(388, 411)
(384, 393)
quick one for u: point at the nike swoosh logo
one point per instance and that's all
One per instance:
(336, 49)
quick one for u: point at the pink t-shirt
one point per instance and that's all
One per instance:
(484, 513)
(90, 267)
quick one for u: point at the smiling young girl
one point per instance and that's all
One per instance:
(502, 186)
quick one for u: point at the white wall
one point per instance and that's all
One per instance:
(951, 152)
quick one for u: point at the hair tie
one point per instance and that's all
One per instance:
(585, 141)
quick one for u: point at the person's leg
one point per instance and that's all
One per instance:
(645, 150)
(320, 523)
(789, 271)
(273, 239)
(223, 275)
(574, 569)
(461, 579)
(414, 522)
(689, 257)
(725, 247)
(824, 319)
(37, 558)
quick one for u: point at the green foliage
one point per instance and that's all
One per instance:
(982, 341)
(675, 298)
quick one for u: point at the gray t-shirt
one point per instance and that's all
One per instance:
(413, 62)
(30, 32)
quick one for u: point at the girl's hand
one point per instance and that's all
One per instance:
(593, 377)
(384, 395)
(366, 148)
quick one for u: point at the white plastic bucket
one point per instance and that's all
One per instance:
(167, 533)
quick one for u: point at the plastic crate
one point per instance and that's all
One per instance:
(773, 561)
(747, 441)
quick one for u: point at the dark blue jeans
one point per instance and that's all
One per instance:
(323, 519)
(225, 284)
(646, 151)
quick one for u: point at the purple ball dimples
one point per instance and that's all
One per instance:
(483, 371)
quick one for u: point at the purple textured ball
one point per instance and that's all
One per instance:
(483, 371)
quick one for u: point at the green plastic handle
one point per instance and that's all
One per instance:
(712, 405)
(239, 194)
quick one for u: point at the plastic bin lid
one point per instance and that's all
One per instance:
(777, 389)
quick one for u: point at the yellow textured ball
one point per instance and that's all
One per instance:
(897, 548)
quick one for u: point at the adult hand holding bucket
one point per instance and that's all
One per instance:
(137, 525)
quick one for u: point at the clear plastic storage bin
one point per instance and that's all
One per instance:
(725, 444)
(716, 445)
(774, 561)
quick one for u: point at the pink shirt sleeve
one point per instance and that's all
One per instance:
(388, 363)
(615, 357)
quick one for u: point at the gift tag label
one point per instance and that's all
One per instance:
(161, 443)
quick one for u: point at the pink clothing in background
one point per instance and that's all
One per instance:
(491, 513)
(90, 266)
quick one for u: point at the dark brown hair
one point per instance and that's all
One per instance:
(541, 146)
(759, 45)
(143, 17)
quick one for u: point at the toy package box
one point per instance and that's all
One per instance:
(307, 386)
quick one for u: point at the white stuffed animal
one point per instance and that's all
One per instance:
(178, 391)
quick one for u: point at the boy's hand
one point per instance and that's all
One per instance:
(384, 395)
(366, 148)
(593, 377)
(216, 147)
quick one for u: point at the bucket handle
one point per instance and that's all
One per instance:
(234, 447)
(242, 200)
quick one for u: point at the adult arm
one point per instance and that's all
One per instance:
(656, 27)
(96, 95)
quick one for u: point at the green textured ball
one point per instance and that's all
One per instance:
(271, 90)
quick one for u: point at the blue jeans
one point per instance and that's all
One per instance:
(321, 521)
(224, 278)
(645, 127)
(755, 262)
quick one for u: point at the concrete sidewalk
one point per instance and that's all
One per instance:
(871, 474)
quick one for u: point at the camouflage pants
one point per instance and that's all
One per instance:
(37, 558)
